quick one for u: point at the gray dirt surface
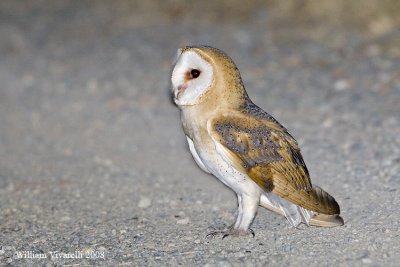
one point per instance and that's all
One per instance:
(93, 159)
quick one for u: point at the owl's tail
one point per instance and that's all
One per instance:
(324, 220)
(296, 214)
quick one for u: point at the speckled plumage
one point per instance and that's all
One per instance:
(243, 146)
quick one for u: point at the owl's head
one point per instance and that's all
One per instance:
(198, 71)
(192, 76)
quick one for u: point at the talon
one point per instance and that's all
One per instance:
(210, 235)
(214, 233)
(231, 232)
(252, 233)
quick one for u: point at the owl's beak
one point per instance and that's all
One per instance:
(180, 90)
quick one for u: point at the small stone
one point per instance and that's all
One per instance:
(183, 221)
(327, 123)
(101, 248)
(113, 232)
(262, 257)
(240, 254)
(341, 85)
(144, 202)
(366, 260)
(223, 263)
(65, 218)
(385, 255)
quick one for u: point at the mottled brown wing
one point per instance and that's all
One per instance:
(270, 156)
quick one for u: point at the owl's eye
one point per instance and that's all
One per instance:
(195, 73)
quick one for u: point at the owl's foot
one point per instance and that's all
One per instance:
(215, 233)
(220, 232)
(246, 211)
(231, 232)
(238, 233)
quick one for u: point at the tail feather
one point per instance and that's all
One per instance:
(315, 199)
(293, 213)
(328, 202)
(324, 220)
(296, 214)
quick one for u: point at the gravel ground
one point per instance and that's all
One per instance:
(93, 159)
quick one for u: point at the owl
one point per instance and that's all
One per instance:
(242, 145)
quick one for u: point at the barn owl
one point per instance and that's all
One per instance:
(242, 145)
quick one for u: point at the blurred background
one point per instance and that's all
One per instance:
(93, 158)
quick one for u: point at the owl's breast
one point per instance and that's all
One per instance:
(210, 160)
(206, 154)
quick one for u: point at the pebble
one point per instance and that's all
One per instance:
(183, 221)
(366, 260)
(65, 218)
(144, 202)
(101, 248)
(341, 85)
(219, 263)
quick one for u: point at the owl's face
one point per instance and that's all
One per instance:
(192, 77)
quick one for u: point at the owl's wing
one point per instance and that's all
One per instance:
(271, 158)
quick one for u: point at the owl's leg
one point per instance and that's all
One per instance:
(248, 201)
(247, 210)
(240, 214)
